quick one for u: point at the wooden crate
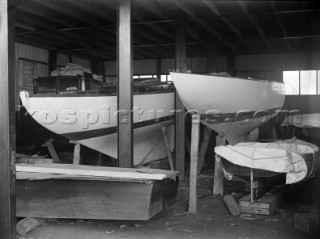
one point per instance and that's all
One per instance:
(79, 198)
(266, 205)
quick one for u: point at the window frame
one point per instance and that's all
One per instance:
(299, 90)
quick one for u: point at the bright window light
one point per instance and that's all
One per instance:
(145, 76)
(163, 78)
(308, 82)
(291, 80)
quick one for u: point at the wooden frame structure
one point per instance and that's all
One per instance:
(7, 123)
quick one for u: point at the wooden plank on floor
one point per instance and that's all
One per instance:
(28, 224)
(125, 99)
(7, 125)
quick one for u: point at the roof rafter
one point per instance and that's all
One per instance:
(255, 23)
(216, 11)
(47, 13)
(283, 29)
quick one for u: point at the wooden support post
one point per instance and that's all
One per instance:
(76, 154)
(7, 125)
(159, 68)
(52, 150)
(204, 146)
(181, 65)
(231, 64)
(166, 142)
(195, 134)
(218, 173)
(52, 60)
(125, 99)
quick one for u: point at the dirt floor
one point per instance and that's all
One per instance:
(211, 221)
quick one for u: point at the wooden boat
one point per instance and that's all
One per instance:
(229, 105)
(276, 163)
(82, 109)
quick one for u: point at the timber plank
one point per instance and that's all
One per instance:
(266, 205)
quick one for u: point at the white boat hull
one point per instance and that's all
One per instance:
(230, 106)
(92, 121)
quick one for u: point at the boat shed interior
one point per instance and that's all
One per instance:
(56, 183)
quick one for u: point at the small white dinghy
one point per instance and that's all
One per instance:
(297, 159)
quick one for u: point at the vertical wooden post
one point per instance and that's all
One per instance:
(166, 143)
(213, 52)
(52, 60)
(218, 173)
(125, 99)
(231, 64)
(76, 154)
(204, 146)
(7, 123)
(159, 68)
(181, 65)
(194, 157)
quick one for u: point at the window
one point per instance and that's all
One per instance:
(291, 79)
(302, 82)
(308, 82)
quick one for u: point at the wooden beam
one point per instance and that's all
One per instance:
(181, 65)
(7, 126)
(218, 36)
(218, 173)
(204, 147)
(231, 64)
(52, 60)
(233, 28)
(125, 99)
(35, 19)
(283, 29)
(159, 68)
(47, 13)
(194, 160)
(68, 9)
(255, 23)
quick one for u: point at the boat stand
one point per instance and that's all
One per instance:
(218, 172)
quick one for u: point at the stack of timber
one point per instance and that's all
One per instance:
(91, 192)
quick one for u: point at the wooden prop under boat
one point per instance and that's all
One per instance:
(89, 117)
(229, 105)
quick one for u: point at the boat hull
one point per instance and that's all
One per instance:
(230, 106)
(92, 121)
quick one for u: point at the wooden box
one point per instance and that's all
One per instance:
(94, 198)
(266, 205)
